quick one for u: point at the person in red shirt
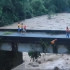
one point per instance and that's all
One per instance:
(24, 28)
(67, 32)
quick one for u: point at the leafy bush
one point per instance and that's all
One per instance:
(34, 54)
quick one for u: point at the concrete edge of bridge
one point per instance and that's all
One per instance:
(29, 30)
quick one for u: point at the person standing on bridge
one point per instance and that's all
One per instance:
(53, 44)
(24, 28)
(19, 27)
(67, 32)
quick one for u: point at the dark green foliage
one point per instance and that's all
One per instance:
(38, 7)
(44, 45)
(16, 10)
(34, 54)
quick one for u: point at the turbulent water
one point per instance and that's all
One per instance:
(58, 22)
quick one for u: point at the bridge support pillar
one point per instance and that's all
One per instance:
(14, 47)
(55, 49)
(0, 46)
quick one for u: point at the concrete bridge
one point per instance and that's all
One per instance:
(13, 38)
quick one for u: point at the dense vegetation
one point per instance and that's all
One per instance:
(15, 10)
(34, 54)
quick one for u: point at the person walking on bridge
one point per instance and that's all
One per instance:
(67, 32)
(53, 43)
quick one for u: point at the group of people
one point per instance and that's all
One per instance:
(21, 27)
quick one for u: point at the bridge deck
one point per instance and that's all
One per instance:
(33, 37)
(33, 34)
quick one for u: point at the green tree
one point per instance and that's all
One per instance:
(38, 7)
(34, 54)
(16, 10)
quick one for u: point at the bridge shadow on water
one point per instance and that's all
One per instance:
(9, 59)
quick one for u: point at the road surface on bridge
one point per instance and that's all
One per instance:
(33, 34)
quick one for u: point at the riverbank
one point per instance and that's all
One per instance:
(57, 22)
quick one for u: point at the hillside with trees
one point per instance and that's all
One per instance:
(17, 10)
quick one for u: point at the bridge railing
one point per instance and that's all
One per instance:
(47, 31)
